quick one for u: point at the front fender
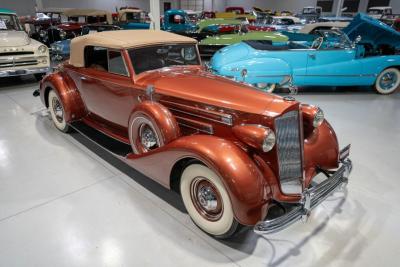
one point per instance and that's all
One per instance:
(246, 186)
(74, 107)
(321, 150)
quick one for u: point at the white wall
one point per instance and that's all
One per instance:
(22, 7)
(97, 4)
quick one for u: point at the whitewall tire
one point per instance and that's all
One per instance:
(56, 110)
(207, 201)
(266, 87)
(388, 81)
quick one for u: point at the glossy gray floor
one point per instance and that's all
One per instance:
(64, 202)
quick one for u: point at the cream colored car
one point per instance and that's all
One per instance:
(19, 54)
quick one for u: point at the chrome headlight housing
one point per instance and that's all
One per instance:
(42, 33)
(42, 49)
(63, 34)
(318, 118)
(269, 140)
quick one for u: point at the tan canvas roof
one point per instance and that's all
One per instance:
(122, 13)
(76, 12)
(121, 40)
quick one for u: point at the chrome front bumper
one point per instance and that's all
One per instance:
(26, 71)
(312, 197)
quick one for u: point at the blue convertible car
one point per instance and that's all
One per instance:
(330, 60)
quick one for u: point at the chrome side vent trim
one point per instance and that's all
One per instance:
(289, 152)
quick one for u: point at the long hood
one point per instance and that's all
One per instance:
(203, 87)
(14, 38)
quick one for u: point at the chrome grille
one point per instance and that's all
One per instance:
(6, 62)
(289, 150)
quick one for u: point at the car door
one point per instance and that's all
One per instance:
(332, 67)
(106, 86)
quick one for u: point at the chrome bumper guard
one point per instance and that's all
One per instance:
(312, 197)
(27, 71)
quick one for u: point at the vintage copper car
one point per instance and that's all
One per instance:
(234, 153)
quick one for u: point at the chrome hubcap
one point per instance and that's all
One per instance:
(206, 199)
(148, 137)
(388, 80)
(57, 110)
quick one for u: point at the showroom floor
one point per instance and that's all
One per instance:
(65, 202)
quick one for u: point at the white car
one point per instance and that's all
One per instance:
(378, 11)
(19, 54)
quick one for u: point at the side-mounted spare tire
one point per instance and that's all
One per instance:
(151, 125)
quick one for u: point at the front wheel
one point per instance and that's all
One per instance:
(388, 81)
(39, 76)
(207, 201)
(57, 112)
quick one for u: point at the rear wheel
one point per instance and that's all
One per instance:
(267, 87)
(207, 201)
(388, 81)
(57, 112)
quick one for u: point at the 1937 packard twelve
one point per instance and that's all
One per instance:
(233, 152)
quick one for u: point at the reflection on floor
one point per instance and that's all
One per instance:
(65, 202)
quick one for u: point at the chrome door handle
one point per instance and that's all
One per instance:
(312, 56)
(83, 78)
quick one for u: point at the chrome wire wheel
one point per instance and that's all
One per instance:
(144, 134)
(206, 199)
(57, 112)
(57, 109)
(148, 137)
(388, 81)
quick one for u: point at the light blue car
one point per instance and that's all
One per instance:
(330, 60)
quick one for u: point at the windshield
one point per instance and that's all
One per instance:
(138, 17)
(334, 39)
(309, 11)
(375, 11)
(160, 56)
(9, 22)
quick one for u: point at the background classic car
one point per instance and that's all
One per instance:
(19, 54)
(331, 60)
(229, 150)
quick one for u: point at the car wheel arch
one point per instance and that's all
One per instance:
(244, 181)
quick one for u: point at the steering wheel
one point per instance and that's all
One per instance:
(316, 44)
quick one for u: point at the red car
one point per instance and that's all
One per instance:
(234, 153)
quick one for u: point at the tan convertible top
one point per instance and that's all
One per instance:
(122, 13)
(121, 40)
(77, 12)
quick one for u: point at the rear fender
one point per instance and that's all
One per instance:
(260, 70)
(74, 107)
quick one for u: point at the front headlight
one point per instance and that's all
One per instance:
(43, 33)
(318, 118)
(269, 141)
(42, 49)
(63, 34)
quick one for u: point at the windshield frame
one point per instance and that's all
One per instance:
(15, 20)
(346, 43)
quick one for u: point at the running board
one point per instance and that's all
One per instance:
(108, 143)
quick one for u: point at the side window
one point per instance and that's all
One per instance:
(96, 58)
(116, 63)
